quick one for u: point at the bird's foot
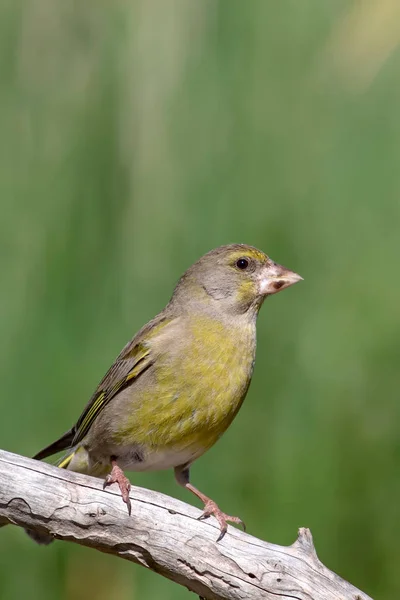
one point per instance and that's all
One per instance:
(212, 508)
(117, 476)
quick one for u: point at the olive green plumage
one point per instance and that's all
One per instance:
(177, 386)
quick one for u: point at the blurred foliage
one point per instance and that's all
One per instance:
(137, 135)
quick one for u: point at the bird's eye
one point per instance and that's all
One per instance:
(242, 263)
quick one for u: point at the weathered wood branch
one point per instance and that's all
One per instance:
(164, 535)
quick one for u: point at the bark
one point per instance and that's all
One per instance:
(164, 535)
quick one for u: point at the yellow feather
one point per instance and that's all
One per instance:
(66, 460)
(193, 401)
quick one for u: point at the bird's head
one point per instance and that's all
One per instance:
(234, 278)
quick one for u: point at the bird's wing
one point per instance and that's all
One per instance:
(133, 360)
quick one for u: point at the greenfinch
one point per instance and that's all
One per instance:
(179, 383)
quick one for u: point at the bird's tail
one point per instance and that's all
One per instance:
(64, 442)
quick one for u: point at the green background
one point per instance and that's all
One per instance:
(136, 136)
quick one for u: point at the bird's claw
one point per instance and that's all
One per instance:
(117, 476)
(212, 508)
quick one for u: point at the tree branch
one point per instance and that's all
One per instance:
(164, 535)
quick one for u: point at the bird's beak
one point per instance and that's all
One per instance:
(276, 278)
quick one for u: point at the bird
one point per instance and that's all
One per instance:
(178, 384)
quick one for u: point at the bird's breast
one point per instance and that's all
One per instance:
(198, 385)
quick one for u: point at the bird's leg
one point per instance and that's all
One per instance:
(210, 507)
(117, 476)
